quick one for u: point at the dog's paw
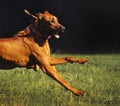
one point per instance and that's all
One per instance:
(70, 59)
(82, 61)
(79, 93)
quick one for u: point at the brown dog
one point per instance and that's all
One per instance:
(30, 48)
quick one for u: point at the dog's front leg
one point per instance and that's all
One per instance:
(44, 60)
(56, 61)
(53, 73)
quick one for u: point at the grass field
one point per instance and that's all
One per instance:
(99, 78)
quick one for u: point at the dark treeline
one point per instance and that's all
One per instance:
(91, 26)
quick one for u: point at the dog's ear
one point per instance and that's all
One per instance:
(46, 12)
(39, 15)
(29, 14)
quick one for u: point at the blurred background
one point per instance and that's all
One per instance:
(91, 25)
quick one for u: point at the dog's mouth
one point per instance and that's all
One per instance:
(57, 36)
(58, 32)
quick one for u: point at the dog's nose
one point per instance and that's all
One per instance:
(62, 27)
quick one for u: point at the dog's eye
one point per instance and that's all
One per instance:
(51, 20)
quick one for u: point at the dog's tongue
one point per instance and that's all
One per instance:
(57, 36)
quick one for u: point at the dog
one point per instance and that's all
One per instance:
(30, 48)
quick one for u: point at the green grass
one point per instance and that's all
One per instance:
(99, 78)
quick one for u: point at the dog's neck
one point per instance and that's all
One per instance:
(33, 31)
(36, 36)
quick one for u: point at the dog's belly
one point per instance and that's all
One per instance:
(13, 53)
(10, 64)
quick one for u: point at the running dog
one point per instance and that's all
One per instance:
(30, 48)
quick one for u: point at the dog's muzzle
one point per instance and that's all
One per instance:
(60, 30)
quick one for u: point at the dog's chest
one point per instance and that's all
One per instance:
(46, 48)
(46, 51)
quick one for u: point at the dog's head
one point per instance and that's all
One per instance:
(47, 24)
